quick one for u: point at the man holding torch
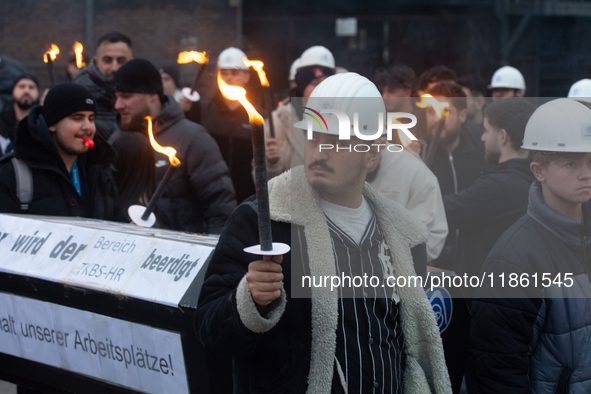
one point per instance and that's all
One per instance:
(200, 196)
(286, 337)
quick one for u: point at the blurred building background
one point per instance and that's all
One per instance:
(546, 39)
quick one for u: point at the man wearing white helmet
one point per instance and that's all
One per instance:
(287, 149)
(325, 339)
(581, 91)
(532, 336)
(507, 81)
(227, 122)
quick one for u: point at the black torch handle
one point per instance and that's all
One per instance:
(260, 170)
(268, 104)
(197, 78)
(50, 70)
(159, 190)
(435, 142)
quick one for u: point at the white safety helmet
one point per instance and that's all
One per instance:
(507, 77)
(350, 93)
(317, 56)
(581, 90)
(232, 58)
(561, 125)
(293, 69)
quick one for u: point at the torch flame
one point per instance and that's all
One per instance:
(165, 150)
(78, 48)
(51, 52)
(439, 107)
(237, 93)
(192, 56)
(258, 67)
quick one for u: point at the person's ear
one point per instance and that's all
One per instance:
(52, 129)
(503, 137)
(94, 59)
(462, 114)
(373, 158)
(538, 171)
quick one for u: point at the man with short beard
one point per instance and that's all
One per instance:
(112, 51)
(497, 199)
(25, 95)
(200, 196)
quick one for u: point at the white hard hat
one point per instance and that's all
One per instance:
(561, 125)
(232, 58)
(350, 93)
(293, 69)
(317, 56)
(507, 77)
(581, 90)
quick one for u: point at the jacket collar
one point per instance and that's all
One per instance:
(171, 114)
(564, 228)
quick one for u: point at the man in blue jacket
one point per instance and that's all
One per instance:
(531, 325)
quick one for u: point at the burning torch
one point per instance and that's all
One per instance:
(143, 216)
(258, 66)
(442, 112)
(191, 93)
(49, 57)
(78, 48)
(266, 246)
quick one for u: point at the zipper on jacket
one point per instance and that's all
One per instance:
(453, 171)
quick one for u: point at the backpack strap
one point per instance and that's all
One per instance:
(24, 183)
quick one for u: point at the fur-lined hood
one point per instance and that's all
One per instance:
(292, 200)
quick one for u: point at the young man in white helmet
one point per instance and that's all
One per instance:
(532, 335)
(507, 81)
(286, 336)
(227, 122)
(286, 150)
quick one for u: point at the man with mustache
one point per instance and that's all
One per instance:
(25, 95)
(286, 336)
(68, 178)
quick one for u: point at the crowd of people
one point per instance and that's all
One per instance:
(495, 186)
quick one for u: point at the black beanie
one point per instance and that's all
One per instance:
(307, 74)
(138, 76)
(26, 76)
(172, 71)
(65, 99)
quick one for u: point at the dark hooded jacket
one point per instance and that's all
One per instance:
(232, 133)
(106, 118)
(200, 196)
(536, 339)
(53, 191)
(483, 211)
(8, 123)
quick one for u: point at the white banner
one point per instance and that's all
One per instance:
(145, 267)
(123, 353)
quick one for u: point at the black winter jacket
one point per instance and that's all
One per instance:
(53, 191)
(103, 91)
(483, 211)
(231, 131)
(536, 339)
(200, 196)
(8, 123)
(456, 172)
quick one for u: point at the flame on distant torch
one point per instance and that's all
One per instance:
(237, 93)
(78, 48)
(258, 67)
(192, 56)
(429, 101)
(165, 150)
(51, 52)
